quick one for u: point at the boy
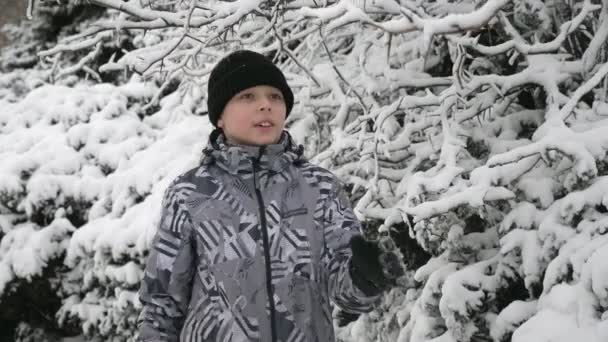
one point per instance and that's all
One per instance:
(255, 241)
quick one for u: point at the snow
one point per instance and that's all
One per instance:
(563, 316)
(473, 196)
(538, 189)
(26, 249)
(511, 317)
(86, 144)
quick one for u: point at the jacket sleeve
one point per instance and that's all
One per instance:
(166, 287)
(340, 225)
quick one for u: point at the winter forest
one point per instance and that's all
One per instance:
(473, 132)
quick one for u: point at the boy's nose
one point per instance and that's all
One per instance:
(265, 103)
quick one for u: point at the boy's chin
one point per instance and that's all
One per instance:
(265, 141)
(262, 140)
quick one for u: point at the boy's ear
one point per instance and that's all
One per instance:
(220, 123)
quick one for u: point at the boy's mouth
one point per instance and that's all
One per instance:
(264, 124)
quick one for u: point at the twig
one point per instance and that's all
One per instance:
(566, 110)
(329, 55)
(296, 60)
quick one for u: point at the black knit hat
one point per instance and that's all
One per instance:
(238, 71)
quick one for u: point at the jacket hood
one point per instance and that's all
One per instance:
(238, 159)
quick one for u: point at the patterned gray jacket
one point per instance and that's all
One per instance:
(252, 246)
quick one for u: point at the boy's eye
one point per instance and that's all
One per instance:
(247, 96)
(276, 96)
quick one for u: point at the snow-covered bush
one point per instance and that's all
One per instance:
(476, 126)
(82, 173)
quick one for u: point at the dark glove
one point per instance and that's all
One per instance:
(373, 269)
(344, 318)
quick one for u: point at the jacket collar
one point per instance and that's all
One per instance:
(240, 159)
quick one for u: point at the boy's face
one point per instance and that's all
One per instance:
(255, 116)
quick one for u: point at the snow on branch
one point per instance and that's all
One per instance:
(598, 76)
(523, 47)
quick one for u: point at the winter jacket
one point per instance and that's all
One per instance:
(252, 246)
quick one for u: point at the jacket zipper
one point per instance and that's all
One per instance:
(263, 223)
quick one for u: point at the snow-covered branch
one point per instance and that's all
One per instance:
(523, 47)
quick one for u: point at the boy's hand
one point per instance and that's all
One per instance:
(343, 318)
(374, 267)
